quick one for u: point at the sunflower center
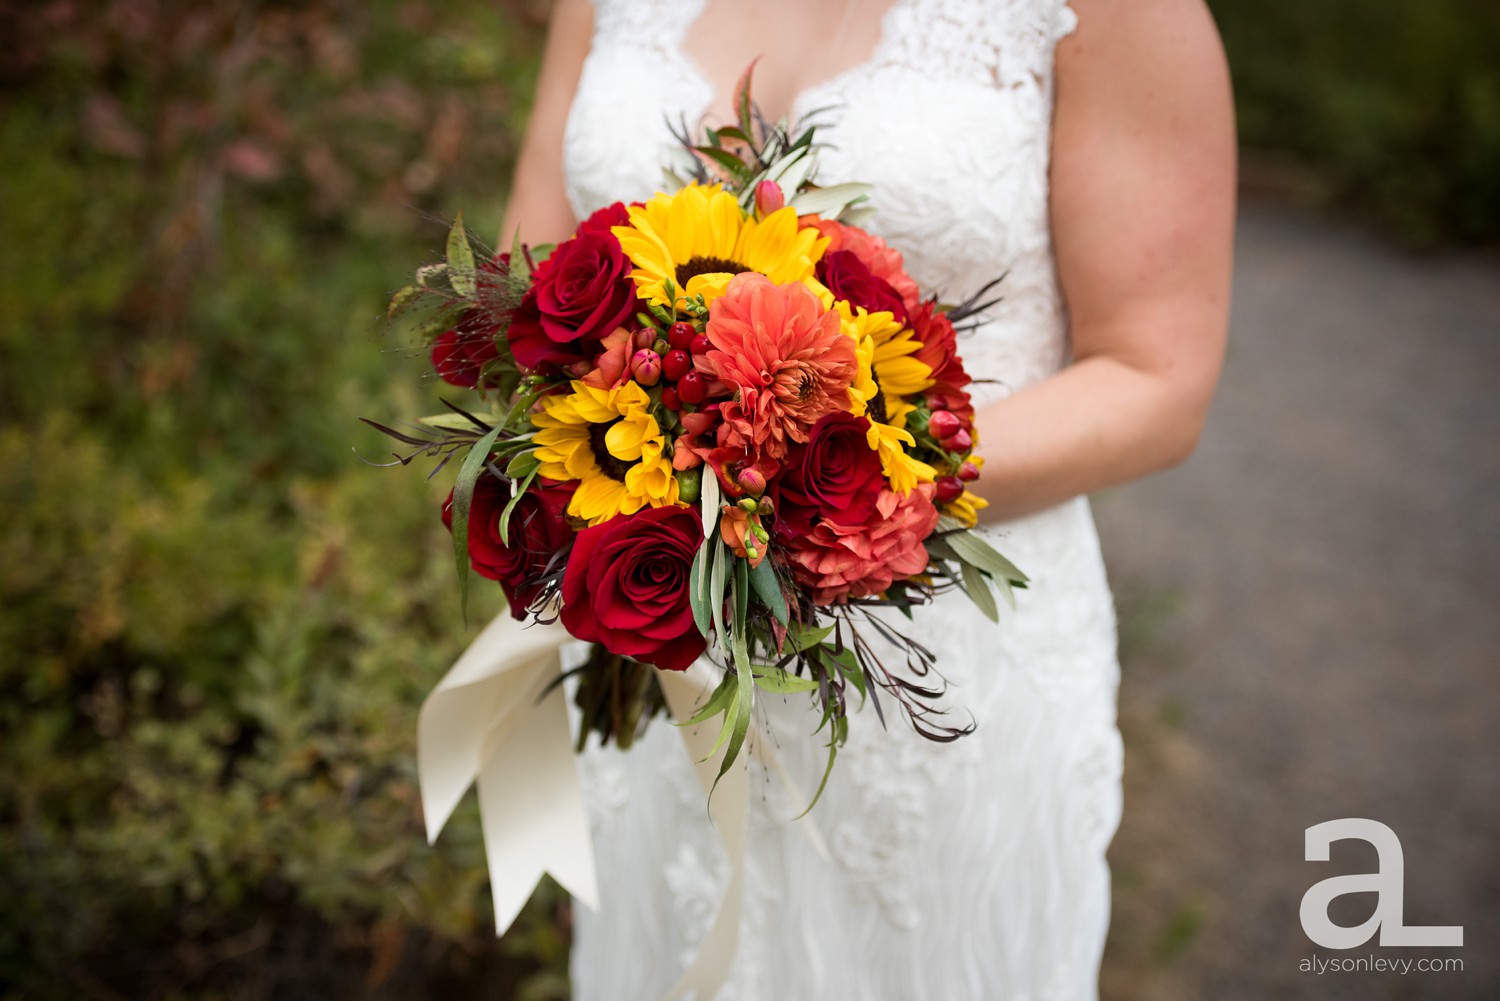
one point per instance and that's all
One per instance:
(612, 467)
(876, 407)
(690, 269)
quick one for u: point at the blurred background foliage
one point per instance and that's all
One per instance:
(1385, 109)
(216, 623)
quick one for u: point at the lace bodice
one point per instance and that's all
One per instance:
(960, 871)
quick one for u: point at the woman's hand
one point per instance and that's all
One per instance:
(1143, 195)
(538, 200)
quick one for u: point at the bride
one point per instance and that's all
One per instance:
(1086, 151)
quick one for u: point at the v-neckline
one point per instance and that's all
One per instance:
(794, 110)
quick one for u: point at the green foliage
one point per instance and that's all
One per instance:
(1392, 109)
(216, 622)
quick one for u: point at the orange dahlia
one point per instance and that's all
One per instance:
(783, 356)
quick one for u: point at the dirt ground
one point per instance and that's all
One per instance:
(1311, 629)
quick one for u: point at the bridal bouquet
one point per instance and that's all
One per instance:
(723, 422)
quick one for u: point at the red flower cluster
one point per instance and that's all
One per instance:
(766, 386)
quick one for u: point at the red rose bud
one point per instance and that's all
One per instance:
(693, 388)
(943, 424)
(960, 441)
(768, 198)
(968, 472)
(701, 345)
(752, 482)
(645, 367)
(643, 338)
(671, 400)
(676, 363)
(680, 335)
(949, 489)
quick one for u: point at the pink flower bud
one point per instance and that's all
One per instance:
(959, 441)
(768, 198)
(580, 368)
(968, 472)
(943, 424)
(643, 338)
(645, 367)
(752, 482)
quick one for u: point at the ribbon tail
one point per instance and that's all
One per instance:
(731, 807)
(531, 807)
(483, 721)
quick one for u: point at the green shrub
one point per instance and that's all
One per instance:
(1389, 109)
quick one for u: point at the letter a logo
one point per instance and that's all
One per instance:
(1387, 883)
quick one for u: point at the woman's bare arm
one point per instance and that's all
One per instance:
(538, 201)
(1143, 186)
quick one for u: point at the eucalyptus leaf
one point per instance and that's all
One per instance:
(775, 679)
(768, 589)
(519, 267)
(800, 637)
(698, 590)
(718, 571)
(510, 505)
(979, 592)
(712, 498)
(972, 549)
(721, 699)
(460, 258)
(522, 465)
(830, 200)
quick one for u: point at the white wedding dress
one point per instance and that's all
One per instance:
(964, 871)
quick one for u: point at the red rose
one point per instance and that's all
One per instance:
(626, 586)
(835, 476)
(459, 354)
(602, 220)
(583, 291)
(538, 530)
(533, 350)
(847, 277)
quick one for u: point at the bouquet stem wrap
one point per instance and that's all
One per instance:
(488, 720)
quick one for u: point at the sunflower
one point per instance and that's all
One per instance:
(698, 238)
(887, 376)
(607, 440)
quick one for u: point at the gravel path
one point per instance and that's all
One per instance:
(1311, 628)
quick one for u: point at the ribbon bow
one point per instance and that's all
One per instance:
(489, 719)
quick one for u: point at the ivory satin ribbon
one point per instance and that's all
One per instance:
(488, 720)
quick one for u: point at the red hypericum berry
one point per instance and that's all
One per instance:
(943, 424)
(676, 363)
(680, 335)
(701, 344)
(645, 367)
(959, 441)
(949, 489)
(670, 399)
(968, 472)
(692, 387)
